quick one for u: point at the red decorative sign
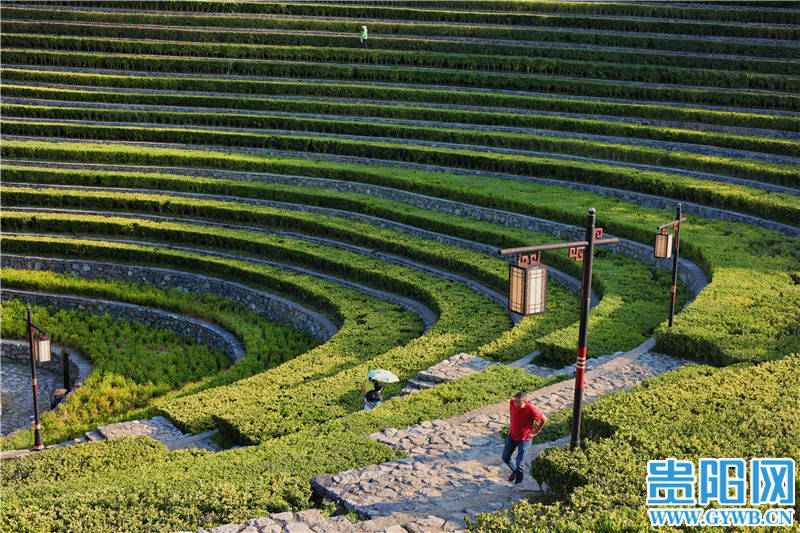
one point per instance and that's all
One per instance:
(576, 253)
(528, 259)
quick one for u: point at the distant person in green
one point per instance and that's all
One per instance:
(364, 36)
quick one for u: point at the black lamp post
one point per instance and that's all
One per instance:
(40, 351)
(663, 250)
(576, 251)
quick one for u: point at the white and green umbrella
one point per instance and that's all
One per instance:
(382, 375)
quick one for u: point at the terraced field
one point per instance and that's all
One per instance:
(214, 158)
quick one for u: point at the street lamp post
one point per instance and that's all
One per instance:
(40, 350)
(663, 250)
(594, 237)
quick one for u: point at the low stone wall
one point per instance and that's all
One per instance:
(270, 306)
(202, 332)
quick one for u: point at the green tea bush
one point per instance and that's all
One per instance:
(654, 41)
(738, 167)
(630, 290)
(716, 246)
(598, 127)
(223, 39)
(648, 67)
(542, 82)
(652, 182)
(652, 110)
(466, 321)
(526, 19)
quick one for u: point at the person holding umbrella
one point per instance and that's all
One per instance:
(374, 398)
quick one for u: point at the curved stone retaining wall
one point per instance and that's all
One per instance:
(202, 332)
(268, 305)
(79, 366)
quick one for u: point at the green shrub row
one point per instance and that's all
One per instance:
(627, 318)
(511, 101)
(617, 334)
(137, 485)
(267, 344)
(657, 41)
(632, 305)
(369, 328)
(688, 414)
(490, 270)
(277, 401)
(511, 345)
(607, 8)
(750, 268)
(235, 44)
(736, 197)
(548, 62)
(743, 168)
(776, 146)
(523, 19)
(132, 365)
(410, 76)
(714, 14)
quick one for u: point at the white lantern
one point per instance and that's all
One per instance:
(527, 288)
(663, 246)
(41, 350)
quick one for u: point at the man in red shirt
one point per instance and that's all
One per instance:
(520, 434)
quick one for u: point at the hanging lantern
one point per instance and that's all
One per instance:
(663, 246)
(527, 288)
(41, 349)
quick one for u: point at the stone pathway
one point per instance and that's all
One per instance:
(158, 428)
(454, 469)
(17, 397)
(463, 364)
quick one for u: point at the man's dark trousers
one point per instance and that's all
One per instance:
(522, 447)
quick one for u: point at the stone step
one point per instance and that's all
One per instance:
(189, 441)
(420, 384)
(94, 436)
